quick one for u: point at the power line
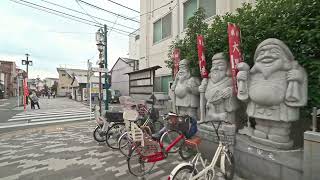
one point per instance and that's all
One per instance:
(122, 16)
(66, 14)
(155, 9)
(85, 14)
(124, 6)
(50, 12)
(58, 12)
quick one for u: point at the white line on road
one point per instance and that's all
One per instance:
(49, 115)
(36, 112)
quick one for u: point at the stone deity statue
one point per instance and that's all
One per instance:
(221, 103)
(186, 92)
(274, 88)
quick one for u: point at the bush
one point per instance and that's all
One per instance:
(295, 22)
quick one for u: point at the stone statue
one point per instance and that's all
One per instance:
(186, 94)
(274, 88)
(221, 102)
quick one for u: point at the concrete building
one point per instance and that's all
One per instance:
(73, 81)
(164, 24)
(134, 44)
(119, 78)
(8, 78)
(50, 81)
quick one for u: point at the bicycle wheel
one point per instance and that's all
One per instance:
(184, 173)
(113, 134)
(228, 165)
(168, 137)
(125, 143)
(137, 163)
(99, 135)
(186, 152)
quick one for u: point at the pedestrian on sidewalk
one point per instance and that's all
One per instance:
(31, 101)
(35, 100)
(54, 94)
(49, 94)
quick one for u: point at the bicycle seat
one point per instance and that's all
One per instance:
(157, 136)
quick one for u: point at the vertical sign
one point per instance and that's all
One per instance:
(201, 57)
(26, 92)
(235, 54)
(176, 60)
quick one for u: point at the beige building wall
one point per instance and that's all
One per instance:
(64, 83)
(152, 54)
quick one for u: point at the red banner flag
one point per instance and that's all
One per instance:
(235, 54)
(26, 92)
(176, 60)
(201, 57)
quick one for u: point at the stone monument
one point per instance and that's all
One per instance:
(186, 94)
(274, 89)
(220, 101)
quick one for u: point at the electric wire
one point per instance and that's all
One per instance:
(124, 6)
(122, 16)
(85, 14)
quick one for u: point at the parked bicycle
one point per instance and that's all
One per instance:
(108, 129)
(150, 120)
(190, 170)
(147, 150)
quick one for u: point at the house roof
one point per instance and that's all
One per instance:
(126, 60)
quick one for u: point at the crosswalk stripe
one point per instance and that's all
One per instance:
(49, 115)
(43, 122)
(50, 112)
(53, 118)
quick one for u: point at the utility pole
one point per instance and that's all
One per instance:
(106, 66)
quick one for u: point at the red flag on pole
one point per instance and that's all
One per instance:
(201, 57)
(26, 92)
(235, 54)
(176, 60)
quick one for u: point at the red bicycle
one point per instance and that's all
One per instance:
(144, 154)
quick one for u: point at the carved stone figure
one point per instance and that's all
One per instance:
(221, 103)
(275, 88)
(186, 92)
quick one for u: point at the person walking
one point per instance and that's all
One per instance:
(54, 94)
(49, 94)
(31, 101)
(35, 100)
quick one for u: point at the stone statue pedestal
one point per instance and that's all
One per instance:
(259, 162)
(226, 133)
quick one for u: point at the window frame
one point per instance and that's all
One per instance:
(161, 23)
(184, 27)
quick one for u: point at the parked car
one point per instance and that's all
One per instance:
(113, 96)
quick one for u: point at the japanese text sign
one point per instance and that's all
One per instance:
(235, 54)
(201, 57)
(176, 60)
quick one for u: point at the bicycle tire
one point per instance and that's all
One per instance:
(124, 143)
(185, 172)
(113, 134)
(135, 169)
(97, 135)
(168, 137)
(186, 152)
(229, 165)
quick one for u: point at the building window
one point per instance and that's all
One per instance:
(162, 28)
(191, 6)
(62, 87)
(137, 37)
(63, 74)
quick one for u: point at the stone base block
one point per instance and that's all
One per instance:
(259, 162)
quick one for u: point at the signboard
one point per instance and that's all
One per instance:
(176, 60)
(102, 70)
(201, 56)
(235, 54)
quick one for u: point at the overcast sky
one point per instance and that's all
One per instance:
(54, 41)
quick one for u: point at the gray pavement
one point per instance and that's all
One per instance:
(66, 151)
(7, 108)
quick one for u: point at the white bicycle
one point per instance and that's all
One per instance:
(190, 171)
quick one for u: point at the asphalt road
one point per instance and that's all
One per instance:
(7, 108)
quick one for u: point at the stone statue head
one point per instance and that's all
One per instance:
(272, 55)
(220, 68)
(184, 72)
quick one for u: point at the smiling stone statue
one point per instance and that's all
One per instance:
(275, 88)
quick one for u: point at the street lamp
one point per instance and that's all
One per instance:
(100, 46)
